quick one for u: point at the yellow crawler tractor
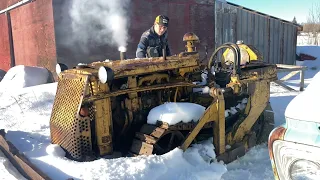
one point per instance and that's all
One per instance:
(102, 108)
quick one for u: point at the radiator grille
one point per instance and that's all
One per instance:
(68, 129)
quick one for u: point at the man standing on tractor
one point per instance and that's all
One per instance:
(154, 39)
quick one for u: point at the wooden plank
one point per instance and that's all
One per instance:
(19, 161)
(290, 66)
(289, 70)
(283, 85)
(288, 76)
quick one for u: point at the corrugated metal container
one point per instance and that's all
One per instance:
(275, 38)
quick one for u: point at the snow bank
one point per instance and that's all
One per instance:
(24, 76)
(55, 150)
(255, 165)
(305, 105)
(27, 109)
(307, 39)
(173, 113)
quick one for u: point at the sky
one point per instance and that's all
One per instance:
(283, 9)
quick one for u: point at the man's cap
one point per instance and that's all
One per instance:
(162, 20)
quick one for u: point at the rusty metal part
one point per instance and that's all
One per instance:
(124, 102)
(20, 161)
(237, 150)
(132, 67)
(139, 89)
(102, 118)
(215, 113)
(151, 79)
(191, 38)
(235, 84)
(68, 129)
(277, 134)
(182, 126)
(256, 72)
(123, 55)
(259, 98)
(168, 141)
(141, 148)
(164, 52)
(155, 140)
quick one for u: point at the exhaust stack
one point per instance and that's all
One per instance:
(122, 50)
(123, 55)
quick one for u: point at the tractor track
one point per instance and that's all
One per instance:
(160, 139)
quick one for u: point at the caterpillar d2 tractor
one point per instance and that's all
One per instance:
(102, 108)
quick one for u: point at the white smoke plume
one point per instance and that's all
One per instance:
(100, 22)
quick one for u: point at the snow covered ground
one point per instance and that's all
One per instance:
(308, 39)
(25, 114)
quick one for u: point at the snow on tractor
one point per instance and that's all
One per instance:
(113, 106)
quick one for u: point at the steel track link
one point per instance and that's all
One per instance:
(155, 140)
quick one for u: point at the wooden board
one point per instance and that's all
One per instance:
(19, 161)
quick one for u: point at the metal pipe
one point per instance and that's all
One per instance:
(164, 53)
(21, 3)
(123, 55)
(12, 57)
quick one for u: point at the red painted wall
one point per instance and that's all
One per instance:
(40, 28)
(185, 15)
(33, 35)
(4, 44)
(4, 39)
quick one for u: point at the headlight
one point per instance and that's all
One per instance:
(294, 160)
(60, 67)
(304, 169)
(105, 74)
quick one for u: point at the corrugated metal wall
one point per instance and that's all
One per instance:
(273, 37)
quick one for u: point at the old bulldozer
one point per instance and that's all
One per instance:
(102, 108)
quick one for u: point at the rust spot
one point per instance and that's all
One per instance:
(277, 134)
(84, 112)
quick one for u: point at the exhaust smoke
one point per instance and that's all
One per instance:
(100, 22)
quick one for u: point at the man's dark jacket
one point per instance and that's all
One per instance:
(151, 39)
